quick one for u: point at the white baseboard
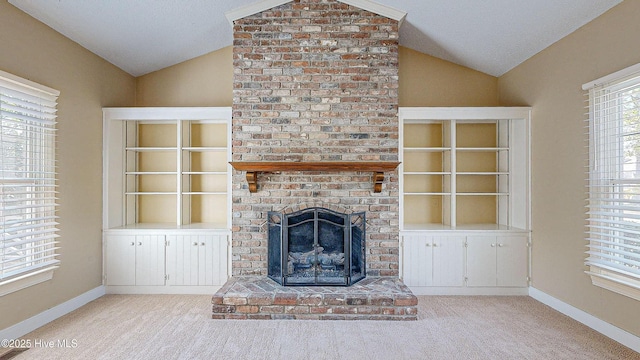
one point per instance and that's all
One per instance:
(623, 337)
(24, 327)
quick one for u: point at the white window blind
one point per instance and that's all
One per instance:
(613, 226)
(27, 178)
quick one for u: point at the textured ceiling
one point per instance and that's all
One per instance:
(141, 36)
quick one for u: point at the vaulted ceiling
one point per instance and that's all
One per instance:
(142, 36)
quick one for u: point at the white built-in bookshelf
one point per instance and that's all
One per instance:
(166, 199)
(167, 167)
(465, 200)
(464, 167)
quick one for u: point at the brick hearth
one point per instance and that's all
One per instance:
(380, 298)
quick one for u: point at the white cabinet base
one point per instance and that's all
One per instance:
(178, 261)
(465, 262)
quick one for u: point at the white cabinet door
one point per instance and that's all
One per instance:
(182, 259)
(497, 261)
(196, 260)
(481, 261)
(433, 260)
(417, 266)
(120, 259)
(212, 260)
(448, 260)
(134, 260)
(150, 260)
(512, 261)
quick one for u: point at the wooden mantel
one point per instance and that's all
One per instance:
(254, 167)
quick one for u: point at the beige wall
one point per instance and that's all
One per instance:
(204, 81)
(551, 82)
(424, 81)
(429, 81)
(86, 83)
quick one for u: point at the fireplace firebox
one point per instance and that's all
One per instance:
(316, 246)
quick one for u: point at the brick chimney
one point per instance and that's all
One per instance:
(315, 80)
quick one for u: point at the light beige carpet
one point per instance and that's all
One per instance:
(179, 327)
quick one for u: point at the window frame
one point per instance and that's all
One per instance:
(30, 108)
(610, 265)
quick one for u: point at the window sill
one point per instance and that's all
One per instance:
(24, 281)
(615, 282)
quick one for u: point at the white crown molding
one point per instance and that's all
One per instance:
(263, 5)
(167, 113)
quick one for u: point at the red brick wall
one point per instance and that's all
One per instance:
(315, 80)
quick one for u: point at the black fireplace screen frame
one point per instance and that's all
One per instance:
(316, 246)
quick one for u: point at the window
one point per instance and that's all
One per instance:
(613, 227)
(27, 183)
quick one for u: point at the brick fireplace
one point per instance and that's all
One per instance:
(315, 81)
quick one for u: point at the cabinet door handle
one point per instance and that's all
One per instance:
(195, 243)
(427, 244)
(435, 245)
(202, 243)
(133, 243)
(493, 245)
(500, 245)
